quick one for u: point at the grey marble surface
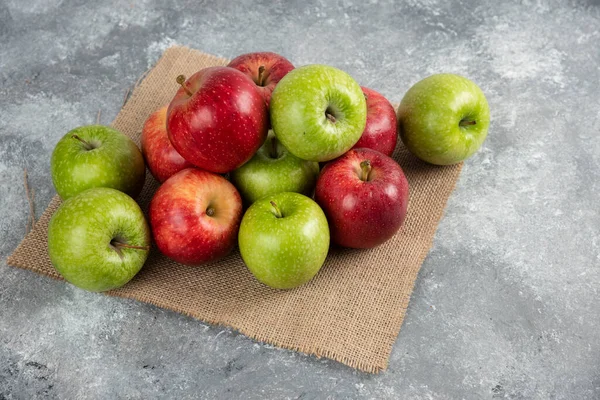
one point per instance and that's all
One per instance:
(506, 304)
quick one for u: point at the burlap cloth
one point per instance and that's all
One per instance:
(350, 312)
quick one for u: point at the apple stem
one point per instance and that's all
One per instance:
(87, 145)
(119, 245)
(261, 71)
(210, 211)
(465, 122)
(277, 213)
(365, 168)
(330, 117)
(181, 80)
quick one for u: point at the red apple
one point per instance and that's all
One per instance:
(161, 157)
(217, 119)
(195, 216)
(264, 68)
(381, 129)
(364, 195)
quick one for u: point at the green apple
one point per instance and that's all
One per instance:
(274, 169)
(96, 156)
(443, 119)
(284, 239)
(318, 112)
(99, 239)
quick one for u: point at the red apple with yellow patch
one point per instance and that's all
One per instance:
(195, 216)
(162, 159)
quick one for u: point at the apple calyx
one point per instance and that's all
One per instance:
(261, 77)
(277, 211)
(466, 122)
(87, 145)
(181, 81)
(365, 170)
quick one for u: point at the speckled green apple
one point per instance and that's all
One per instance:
(96, 156)
(99, 239)
(274, 169)
(318, 112)
(443, 119)
(284, 239)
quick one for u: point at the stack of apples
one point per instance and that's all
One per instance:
(278, 160)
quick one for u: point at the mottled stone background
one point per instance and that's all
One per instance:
(506, 305)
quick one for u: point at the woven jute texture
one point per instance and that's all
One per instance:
(350, 312)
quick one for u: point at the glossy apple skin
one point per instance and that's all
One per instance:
(430, 115)
(276, 67)
(180, 216)
(82, 234)
(273, 169)
(381, 130)
(222, 124)
(114, 161)
(162, 159)
(288, 251)
(299, 106)
(362, 214)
